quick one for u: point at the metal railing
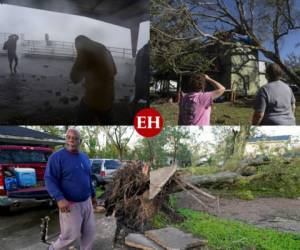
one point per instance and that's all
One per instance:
(54, 48)
(63, 49)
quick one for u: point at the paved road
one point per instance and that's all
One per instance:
(277, 213)
(21, 229)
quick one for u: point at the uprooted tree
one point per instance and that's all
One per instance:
(264, 23)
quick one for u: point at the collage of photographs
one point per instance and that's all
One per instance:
(149, 124)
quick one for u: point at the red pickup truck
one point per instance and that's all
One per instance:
(12, 157)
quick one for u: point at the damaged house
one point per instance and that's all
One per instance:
(237, 68)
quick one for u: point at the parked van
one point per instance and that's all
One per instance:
(22, 171)
(103, 169)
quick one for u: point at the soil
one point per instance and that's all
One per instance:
(277, 213)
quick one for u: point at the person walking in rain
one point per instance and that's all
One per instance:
(95, 64)
(11, 46)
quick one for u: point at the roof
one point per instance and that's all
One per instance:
(126, 13)
(269, 138)
(19, 136)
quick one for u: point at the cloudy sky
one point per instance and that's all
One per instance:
(34, 23)
(207, 133)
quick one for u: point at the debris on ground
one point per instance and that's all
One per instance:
(159, 178)
(134, 197)
(99, 209)
(165, 238)
(140, 241)
(173, 238)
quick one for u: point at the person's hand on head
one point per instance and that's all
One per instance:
(206, 77)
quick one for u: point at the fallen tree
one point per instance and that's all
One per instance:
(135, 196)
(218, 178)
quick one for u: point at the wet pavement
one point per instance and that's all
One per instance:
(42, 92)
(21, 229)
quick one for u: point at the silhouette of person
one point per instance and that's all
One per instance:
(11, 46)
(47, 39)
(95, 64)
(142, 74)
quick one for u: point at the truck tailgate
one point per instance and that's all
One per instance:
(29, 193)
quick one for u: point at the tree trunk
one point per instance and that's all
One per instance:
(218, 178)
(240, 139)
(235, 150)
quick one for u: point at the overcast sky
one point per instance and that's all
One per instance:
(206, 134)
(35, 23)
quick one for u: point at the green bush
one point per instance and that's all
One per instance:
(245, 195)
(278, 178)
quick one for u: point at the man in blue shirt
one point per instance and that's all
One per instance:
(68, 181)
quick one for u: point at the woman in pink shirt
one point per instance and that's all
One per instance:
(195, 106)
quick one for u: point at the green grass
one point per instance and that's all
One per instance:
(234, 235)
(223, 234)
(222, 113)
(99, 191)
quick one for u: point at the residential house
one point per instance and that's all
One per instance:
(268, 145)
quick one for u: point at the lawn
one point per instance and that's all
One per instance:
(235, 235)
(222, 113)
(224, 234)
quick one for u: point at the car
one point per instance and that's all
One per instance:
(103, 169)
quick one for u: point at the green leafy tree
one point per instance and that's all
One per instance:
(262, 22)
(174, 58)
(119, 137)
(90, 139)
(152, 150)
(177, 139)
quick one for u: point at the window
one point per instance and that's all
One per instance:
(96, 165)
(23, 156)
(112, 164)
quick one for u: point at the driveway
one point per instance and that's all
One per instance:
(21, 229)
